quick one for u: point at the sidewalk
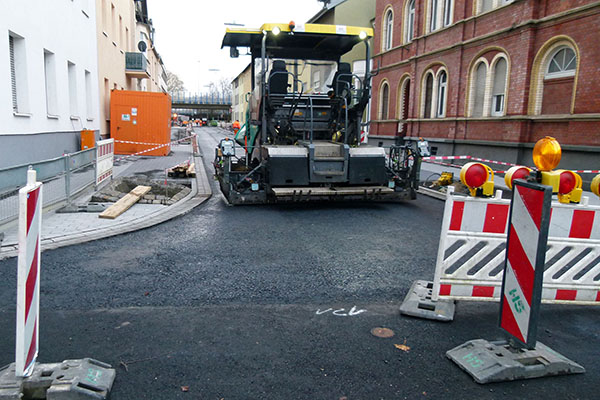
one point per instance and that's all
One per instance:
(64, 229)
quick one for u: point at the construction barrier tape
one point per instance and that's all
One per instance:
(154, 148)
(145, 144)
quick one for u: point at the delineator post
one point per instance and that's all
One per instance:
(28, 276)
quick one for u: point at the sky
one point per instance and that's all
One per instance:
(189, 33)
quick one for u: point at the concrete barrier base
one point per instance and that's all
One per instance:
(69, 380)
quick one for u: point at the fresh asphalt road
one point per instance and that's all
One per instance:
(231, 302)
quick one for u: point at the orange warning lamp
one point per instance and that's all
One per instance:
(479, 178)
(596, 185)
(513, 173)
(547, 154)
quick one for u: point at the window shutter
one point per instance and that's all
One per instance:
(480, 75)
(13, 74)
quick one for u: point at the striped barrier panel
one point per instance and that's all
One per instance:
(471, 253)
(28, 276)
(105, 156)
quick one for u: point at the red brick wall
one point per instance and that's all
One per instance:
(557, 96)
(459, 45)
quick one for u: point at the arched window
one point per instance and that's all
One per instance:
(553, 77)
(562, 63)
(478, 92)
(388, 29)
(441, 13)
(559, 80)
(409, 22)
(403, 100)
(487, 92)
(499, 89)
(428, 89)
(441, 94)
(384, 101)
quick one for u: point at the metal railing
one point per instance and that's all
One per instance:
(63, 177)
(200, 98)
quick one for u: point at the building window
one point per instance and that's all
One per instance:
(72, 77)
(50, 83)
(499, 88)
(433, 15)
(562, 63)
(487, 94)
(409, 23)
(428, 89)
(403, 102)
(448, 9)
(441, 94)
(478, 91)
(384, 101)
(18, 74)
(88, 96)
(13, 74)
(558, 80)
(316, 81)
(104, 12)
(440, 14)
(388, 30)
(113, 22)
(488, 5)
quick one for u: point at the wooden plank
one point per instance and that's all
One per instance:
(191, 171)
(125, 203)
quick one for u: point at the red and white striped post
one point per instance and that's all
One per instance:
(525, 258)
(28, 278)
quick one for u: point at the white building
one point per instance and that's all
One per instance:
(48, 78)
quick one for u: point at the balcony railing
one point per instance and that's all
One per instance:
(136, 65)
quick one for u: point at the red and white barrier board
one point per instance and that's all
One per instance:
(525, 259)
(471, 253)
(105, 155)
(28, 276)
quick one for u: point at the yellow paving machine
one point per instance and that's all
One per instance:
(303, 135)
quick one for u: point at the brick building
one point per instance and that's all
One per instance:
(489, 77)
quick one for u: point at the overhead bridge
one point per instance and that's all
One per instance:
(201, 101)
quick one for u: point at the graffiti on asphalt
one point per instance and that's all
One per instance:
(341, 312)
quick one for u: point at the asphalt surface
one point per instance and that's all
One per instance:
(246, 303)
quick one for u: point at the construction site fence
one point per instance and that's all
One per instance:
(63, 177)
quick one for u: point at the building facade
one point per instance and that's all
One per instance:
(126, 54)
(489, 77)
(240, 86)
(48, 78)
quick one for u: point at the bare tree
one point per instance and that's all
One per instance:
(174, 84)
(222, 87)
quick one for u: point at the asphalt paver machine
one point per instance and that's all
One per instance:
(302, 139)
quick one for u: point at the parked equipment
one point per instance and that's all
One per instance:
(303, 143)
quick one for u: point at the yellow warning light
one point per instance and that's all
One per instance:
(547, 154)
(596, 185)
(513, 173)
(479, 178)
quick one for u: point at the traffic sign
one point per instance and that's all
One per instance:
(525, 258)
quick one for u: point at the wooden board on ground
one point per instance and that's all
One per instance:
(125, 203)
